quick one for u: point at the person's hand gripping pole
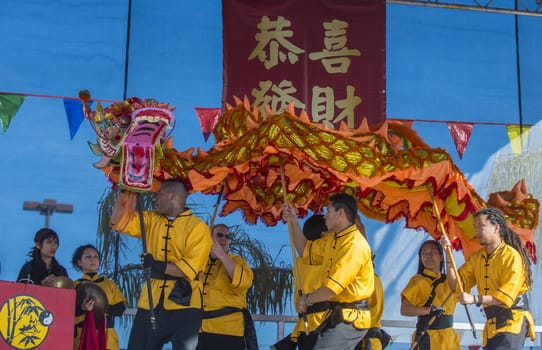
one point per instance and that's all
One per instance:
(297, 280)
(451, 258)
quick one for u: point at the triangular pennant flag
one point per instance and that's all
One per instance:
(74, 111)
(518, 137)
(9, 105)
(460, 134)
(207, 119)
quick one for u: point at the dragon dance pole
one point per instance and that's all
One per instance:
(147, 271)
(294, 255)
(452, 260)
(215, 211)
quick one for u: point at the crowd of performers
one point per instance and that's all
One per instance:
(198, 288)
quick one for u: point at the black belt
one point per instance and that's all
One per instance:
(503, 314)
(221, 312)
(329, 305)
(161, 276)
(441, 322)
(521, 303)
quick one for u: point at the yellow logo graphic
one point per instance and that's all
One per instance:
(24, 322)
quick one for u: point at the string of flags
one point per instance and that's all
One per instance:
(459, 131)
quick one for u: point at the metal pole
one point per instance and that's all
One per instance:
(465, 7)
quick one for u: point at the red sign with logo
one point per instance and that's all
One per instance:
(36, 317)
(328, 57)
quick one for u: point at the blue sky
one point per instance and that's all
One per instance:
(441, 65)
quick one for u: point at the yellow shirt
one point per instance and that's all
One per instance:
(114, 296)
(344, 259)
(417, 292)
(376, 303)
(219, 291)
(185, 242)
(311, 277)
(376, 308)
(502, 276)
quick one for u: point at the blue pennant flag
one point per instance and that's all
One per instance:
(74, 111)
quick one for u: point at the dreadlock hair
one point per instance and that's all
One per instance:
(496, 217)
(440, 250)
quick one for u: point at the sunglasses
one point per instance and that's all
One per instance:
(222, 235)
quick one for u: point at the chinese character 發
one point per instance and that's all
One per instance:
(274, 35)
(335, 55)
(323, 106)
(275, 97)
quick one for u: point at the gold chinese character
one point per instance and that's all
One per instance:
(275, 97)
(335, 55)
(323, 106)
(274, 35)
(348, 105)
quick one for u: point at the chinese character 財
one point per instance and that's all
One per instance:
(323, 106)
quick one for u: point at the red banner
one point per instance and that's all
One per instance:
(36, 317)
(328, 57)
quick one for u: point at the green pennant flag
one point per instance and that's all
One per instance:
(9, 105)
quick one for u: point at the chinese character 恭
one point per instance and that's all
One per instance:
(335, 55)
(274, 35)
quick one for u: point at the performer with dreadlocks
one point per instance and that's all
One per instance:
(502, 273)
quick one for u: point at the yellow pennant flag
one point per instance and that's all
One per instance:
(518, 137)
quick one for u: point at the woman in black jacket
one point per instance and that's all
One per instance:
(43, 268)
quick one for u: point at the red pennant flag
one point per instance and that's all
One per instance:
(207, 119)
(90, 340)
(460, 134)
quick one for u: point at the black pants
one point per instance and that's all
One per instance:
(180, 327)
(211, 341)
(508, 341)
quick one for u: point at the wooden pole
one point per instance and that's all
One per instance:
(147, 271)
(292, 245)
(452, 260)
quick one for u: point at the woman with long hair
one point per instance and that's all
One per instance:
(43, 268)
(429, 297)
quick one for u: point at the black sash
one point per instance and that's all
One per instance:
(162, 276)
(228, 310)
(444, 321)
(332, 305)
(251, 341)
(503, 314)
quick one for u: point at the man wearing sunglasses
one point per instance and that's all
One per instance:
(226, 324)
